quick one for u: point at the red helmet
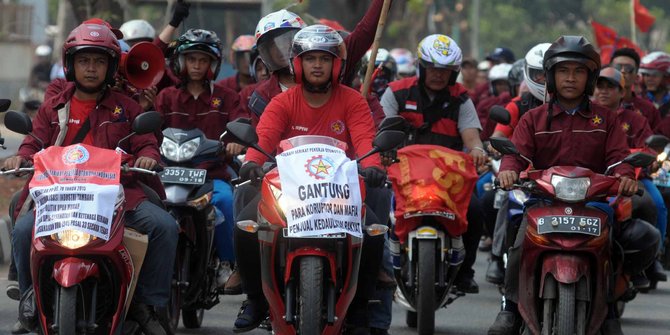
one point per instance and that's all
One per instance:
(91, 37)
(319, 38)
(655, 62)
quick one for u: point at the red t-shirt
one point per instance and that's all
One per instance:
(346, 117)
(79, 111)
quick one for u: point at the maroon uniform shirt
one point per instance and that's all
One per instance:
(483, 108)
(591, 138)
(209, 112)
(635, 126)
(230, 83)
(643, 107)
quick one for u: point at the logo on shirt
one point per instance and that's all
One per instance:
(337, 127)
(319, 167)
(596, 120)
(300, 128)
(73, 121)
(216, 102)
(625, 126)
(411, 105)
(117, 111)
(75, 155)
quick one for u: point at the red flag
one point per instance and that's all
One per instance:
(643, 19)
(332, 23)
(432, 180)
(604, 34)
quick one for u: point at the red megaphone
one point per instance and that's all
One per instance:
(143, 66)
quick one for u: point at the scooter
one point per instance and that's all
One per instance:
(570, 269)
(84, 262)
(310, 251)
(188, 200)
(432, 186)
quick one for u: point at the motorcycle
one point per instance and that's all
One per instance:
(570, 268)
(188, 200)
(432, 186)
(310, 251)
(84, 262)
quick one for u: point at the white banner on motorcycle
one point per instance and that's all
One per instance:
(75, 188)
(320, 191)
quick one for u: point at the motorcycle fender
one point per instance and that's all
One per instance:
(565, 268)
(71, 271)
(425, 232)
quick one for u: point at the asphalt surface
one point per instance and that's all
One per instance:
(648, 314)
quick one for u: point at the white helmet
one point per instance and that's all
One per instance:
(43, 50)
(405, 61)
(137, 31)
(498, 72)
(440, 51)
(534, 70)
(276, 30)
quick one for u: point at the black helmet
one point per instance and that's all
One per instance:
(197, 40)
(572, 49)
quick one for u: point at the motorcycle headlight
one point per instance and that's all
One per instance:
(179, 153)
(570, 189)
(520, 196)
(73, 239)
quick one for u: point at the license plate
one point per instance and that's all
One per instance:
(337, 235)
(568, 224)
(178, 175)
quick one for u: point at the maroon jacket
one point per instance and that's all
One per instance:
(635, 126)
(357, 43)
(663, 128)
(230, 83)
(209, 113)
(645, 108)
(108, 126)
(483, 107)
(245, 96)
(591, 138)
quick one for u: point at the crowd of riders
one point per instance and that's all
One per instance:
(297, 79)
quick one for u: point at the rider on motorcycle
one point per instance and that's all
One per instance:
(101, 117)
(627, 61)
(199, 103)
(569, 130)
(241, 57)
(443, 114)
(274, 34)
(317, 105)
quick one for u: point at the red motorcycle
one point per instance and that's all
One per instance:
(309, 273)
(84, 263)
(432, 186)
(569, 269)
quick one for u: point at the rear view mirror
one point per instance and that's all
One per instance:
(4, 104)
(500, 115)
(147, 122)
(657, 142)
(388, 139)
(395, 122)
(18, 122)
(243, 131)
(503, 145)
(639, 159)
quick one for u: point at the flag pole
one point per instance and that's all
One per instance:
(633, 34)
(375, 47)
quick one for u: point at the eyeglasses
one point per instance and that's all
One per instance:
(625, 68)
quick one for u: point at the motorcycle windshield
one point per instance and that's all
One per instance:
(297, 141)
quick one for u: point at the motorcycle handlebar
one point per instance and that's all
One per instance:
(16, 171)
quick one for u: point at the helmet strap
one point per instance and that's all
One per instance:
(322, 89)
(87, 90)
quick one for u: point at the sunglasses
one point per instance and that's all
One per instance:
(625, 68)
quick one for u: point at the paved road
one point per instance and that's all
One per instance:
(648, 314)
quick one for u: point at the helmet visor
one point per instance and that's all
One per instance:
(536, 75)
(275, 51)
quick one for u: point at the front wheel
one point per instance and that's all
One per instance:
(67, 310)
(310, 299)
(565, 313)
(192, 318)
(425, 301)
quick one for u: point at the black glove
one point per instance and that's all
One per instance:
(374, 177)
(251, 171)
(180, 13)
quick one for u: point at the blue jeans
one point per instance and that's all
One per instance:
(661, 210)
(381, 314)
(222, 199)
(153, 286)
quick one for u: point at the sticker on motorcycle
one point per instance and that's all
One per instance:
(75, 188)
(322, 196)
